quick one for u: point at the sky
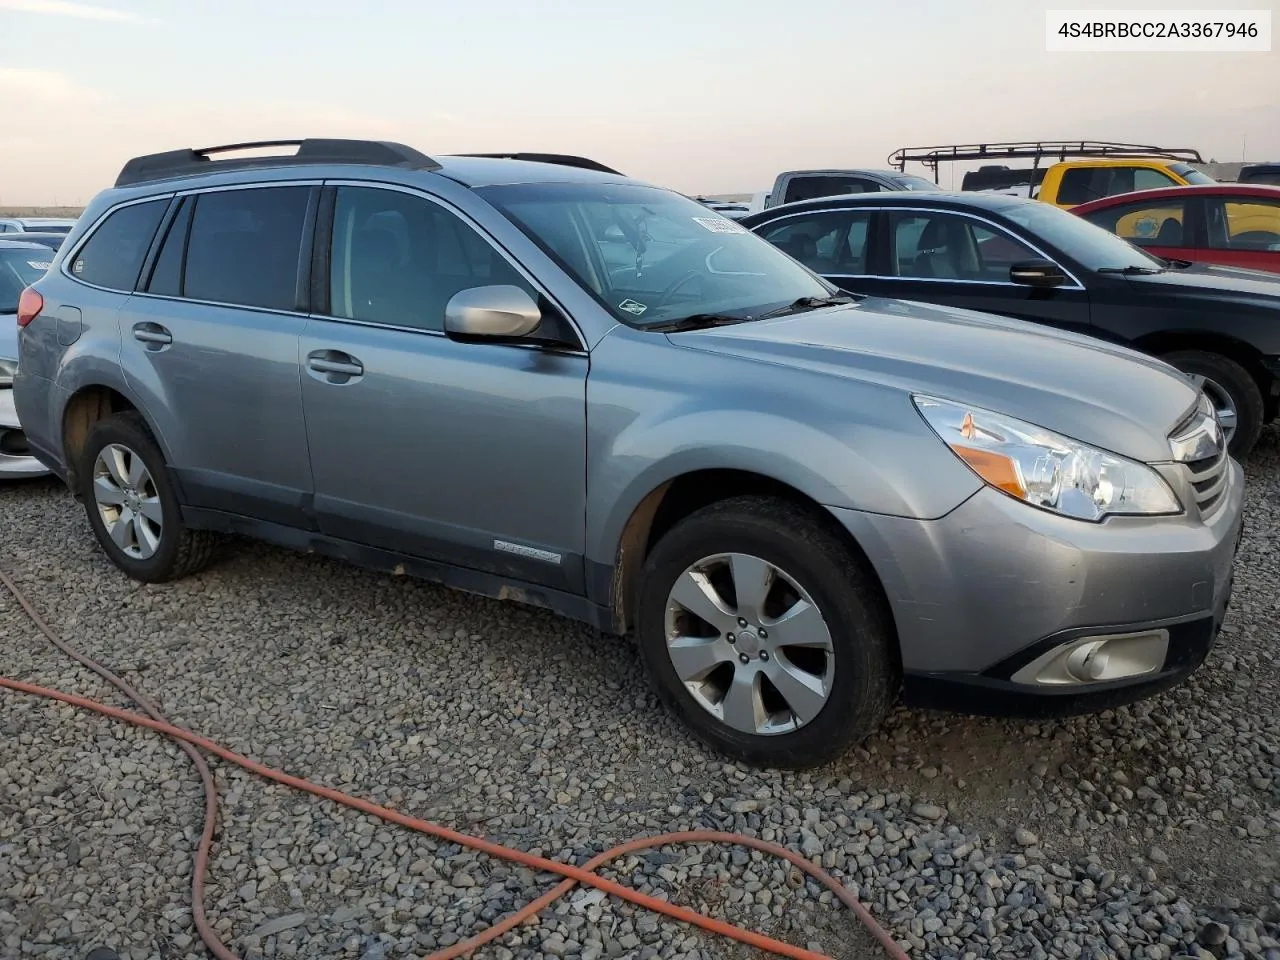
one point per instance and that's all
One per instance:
(709, 96)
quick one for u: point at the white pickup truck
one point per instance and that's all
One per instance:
(808, 184)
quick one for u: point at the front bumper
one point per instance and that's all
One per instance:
(15, 458)
(982, 595)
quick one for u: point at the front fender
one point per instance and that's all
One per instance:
(656, 414)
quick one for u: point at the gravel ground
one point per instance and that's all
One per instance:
(1147, 832)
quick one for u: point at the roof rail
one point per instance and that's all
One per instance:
(181, 163)
(563, 159)
(1037, 150)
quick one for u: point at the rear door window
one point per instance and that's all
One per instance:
(114, 253)
(246, 247)
(1159, 223)
(810, 188)
(830, 242)
(1082, 184)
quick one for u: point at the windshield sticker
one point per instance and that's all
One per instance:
(720, 224)
(633, 308)
(39, 265)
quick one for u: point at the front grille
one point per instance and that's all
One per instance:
(1200, 448)
(1209, 480)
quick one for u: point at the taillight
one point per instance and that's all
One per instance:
(29, 306)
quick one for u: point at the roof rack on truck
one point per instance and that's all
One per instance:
(183, 163)
(1035, 150)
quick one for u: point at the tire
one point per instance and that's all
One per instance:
(1229, 378)
(150, 551)
(864, 677)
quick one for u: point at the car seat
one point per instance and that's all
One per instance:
(1170, 234)
(801, 246)
(934, 256)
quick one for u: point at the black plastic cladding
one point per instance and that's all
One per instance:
(182, 163)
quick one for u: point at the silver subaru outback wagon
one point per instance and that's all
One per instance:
(544, 381)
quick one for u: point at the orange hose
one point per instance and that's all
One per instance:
(189, 742)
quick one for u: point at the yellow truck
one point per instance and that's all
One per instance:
(1078, 171)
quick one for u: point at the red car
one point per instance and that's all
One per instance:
(1233, 224)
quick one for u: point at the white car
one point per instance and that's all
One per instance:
(12, 225)
(21, 263)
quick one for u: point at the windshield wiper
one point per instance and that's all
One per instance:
(700, 320)
(697, 321)
(807, 303)
(1131, 270)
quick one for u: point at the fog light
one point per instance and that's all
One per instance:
(1098, 659)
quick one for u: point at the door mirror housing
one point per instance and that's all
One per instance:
(1037, 273)
(497, 312)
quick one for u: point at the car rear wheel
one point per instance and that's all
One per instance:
(131, 504)
(1234, 393)
(761, 630)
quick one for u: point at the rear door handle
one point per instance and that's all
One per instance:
(151, 333)
(336, 366)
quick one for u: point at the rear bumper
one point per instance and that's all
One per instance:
(991, 601)
(16, 456)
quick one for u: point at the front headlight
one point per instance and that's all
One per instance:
(1045, 469)
(8, 368)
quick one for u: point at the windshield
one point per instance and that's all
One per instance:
(19, 268)
(910, 182)
(652, 256)
(1191, 174)
(1090, 245)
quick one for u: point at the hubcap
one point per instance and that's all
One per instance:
(749, 644)
(1224, 407)
(128, 502)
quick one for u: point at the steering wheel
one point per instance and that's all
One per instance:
(679, 282)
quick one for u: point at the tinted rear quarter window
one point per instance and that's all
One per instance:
(114, 253)
(245, 247)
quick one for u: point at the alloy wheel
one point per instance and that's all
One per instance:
(749, 644)
(128, 502)
(1224, 407)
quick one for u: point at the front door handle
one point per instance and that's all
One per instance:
(152, 333)
(336, 365)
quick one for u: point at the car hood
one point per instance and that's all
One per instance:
(1237, 283)
(1104, 395)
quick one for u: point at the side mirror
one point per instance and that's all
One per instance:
(498, 312)
(1037, 273)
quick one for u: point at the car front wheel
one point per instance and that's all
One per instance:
(1234, 393)
(763, 632)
